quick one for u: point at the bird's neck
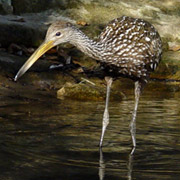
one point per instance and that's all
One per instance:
(88, 46)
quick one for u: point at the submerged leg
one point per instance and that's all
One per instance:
(138, 89)
(105, 122)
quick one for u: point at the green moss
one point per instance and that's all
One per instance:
(80, 92)
(169, 68)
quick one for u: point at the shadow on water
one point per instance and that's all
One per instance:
(51, 139)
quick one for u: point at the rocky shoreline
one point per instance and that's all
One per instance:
(28, 30)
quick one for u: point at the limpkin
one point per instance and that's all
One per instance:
(127, 47)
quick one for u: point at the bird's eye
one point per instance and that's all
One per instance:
(58, 34)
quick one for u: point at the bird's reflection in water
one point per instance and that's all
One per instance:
(130, 164)
(102, 165)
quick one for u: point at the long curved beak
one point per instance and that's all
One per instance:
(44, 47)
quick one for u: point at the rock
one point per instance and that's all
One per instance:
(28, 29)
(29, 6)
(169, 67)
(81, 91)
(6, 7)
(29, 33)
(38, 76)
(173, 46)
(88, 90)
(12, 63)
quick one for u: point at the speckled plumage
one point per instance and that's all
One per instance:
(133, 47)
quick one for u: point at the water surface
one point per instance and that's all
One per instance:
(50, 139)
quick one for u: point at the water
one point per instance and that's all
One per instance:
(45, 138)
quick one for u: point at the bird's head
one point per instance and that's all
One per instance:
(58, 33)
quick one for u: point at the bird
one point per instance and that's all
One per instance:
(127, 47)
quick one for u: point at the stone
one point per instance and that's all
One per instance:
(29, 32)
(27, 29)
(35, 6)
(6, 7)
(81, 91)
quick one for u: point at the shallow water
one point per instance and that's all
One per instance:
(52, 139)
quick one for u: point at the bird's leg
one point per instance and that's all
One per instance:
(138, 89)
(105, 122)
